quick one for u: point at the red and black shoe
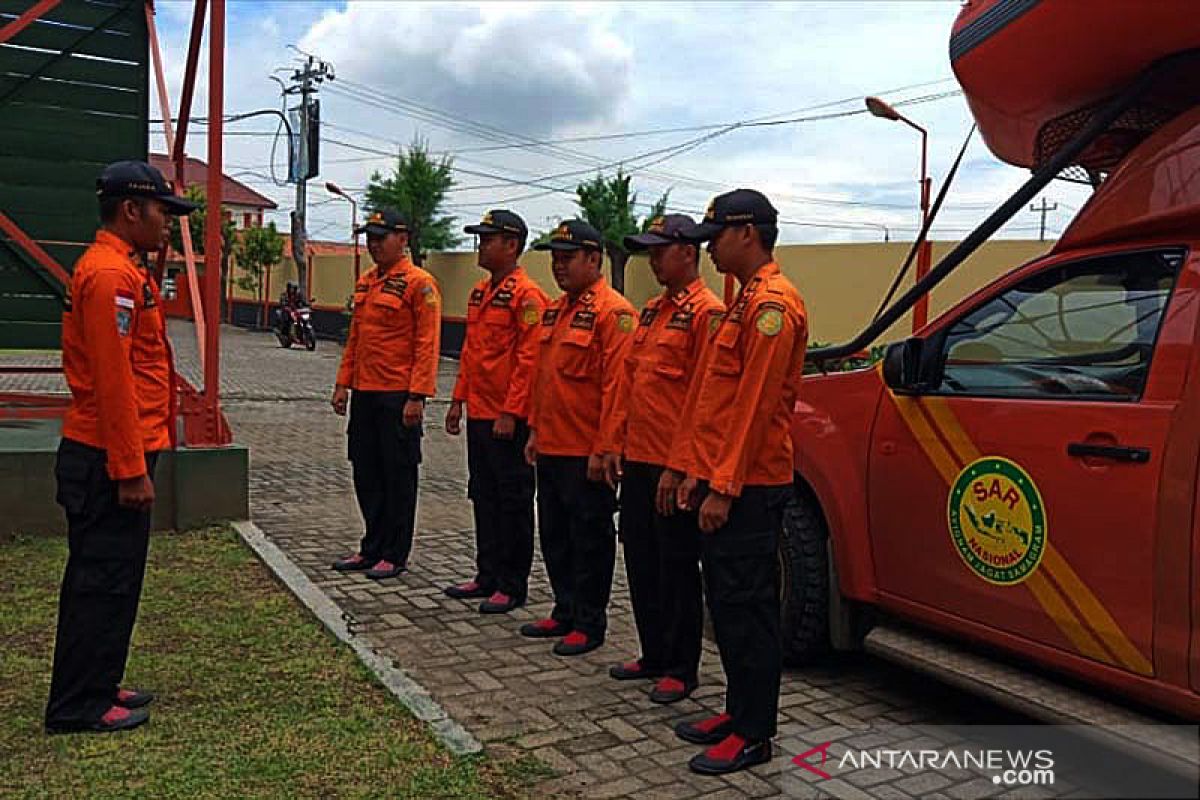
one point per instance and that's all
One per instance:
(732, 754)
(353, 563)
(133, 698)
(576, 643)
(632, 671)
(115, 719)
(500, 603)
(470, 590)
(671, 690)
(545, 629)
(385, 569)
(706, 731)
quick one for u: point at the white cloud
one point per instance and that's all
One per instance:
(526, 67)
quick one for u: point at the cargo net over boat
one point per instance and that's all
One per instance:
(1175, 92)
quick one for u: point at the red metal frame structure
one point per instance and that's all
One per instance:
(204, 424)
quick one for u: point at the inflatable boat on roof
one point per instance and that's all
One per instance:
(1034, 71)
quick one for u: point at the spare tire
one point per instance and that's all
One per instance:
(804, 579)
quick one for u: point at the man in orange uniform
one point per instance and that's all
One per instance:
(736, 447)
(389, 368)
(495, 377)
(117, 362)
(585, 337)
(662, 547)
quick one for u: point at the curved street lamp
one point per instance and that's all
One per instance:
(884, 110)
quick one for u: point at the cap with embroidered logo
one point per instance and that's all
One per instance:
(139, 179)
(572, 234)
(499, 220)
(739, 207)
(667, 229)
(383, 221)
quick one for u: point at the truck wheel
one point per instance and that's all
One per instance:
(804, 580)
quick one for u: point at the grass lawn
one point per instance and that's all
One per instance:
(255, 698)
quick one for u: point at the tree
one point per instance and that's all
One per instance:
(417, 188)
(197, 222)
(257, 249)
(607, 205)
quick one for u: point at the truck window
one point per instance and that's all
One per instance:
(1080, 331)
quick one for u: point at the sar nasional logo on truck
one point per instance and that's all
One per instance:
(997, 520)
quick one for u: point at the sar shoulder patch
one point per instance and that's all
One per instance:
(530, 314)
(625, 322)
(431, 298)
(769, 321)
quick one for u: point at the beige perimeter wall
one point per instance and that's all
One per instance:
(842, 284)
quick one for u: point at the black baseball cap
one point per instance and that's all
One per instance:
(572, 234)
(499, 220)
(384, 221)
(667, 229)
(739, 207)
(139, 179)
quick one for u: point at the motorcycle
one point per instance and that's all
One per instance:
(296, 328)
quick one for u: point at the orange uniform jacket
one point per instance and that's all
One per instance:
(738, 416)
(580, 372)
(395, 332)
(495, 371)
(116, 359)
(667, 345)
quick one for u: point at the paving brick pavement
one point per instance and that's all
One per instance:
(603, 738)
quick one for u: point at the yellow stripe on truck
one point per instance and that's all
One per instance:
(1097, 621)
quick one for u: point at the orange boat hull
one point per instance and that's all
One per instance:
(1026, 63)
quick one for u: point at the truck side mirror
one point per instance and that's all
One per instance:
(902, 366)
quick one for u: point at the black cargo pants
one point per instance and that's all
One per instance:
(101, 588)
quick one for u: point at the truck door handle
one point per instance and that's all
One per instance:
(1135, 455)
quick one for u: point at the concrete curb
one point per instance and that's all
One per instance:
(414, 696)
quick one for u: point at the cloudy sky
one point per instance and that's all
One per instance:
(588, 86)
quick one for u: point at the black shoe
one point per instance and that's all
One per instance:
(470, 590)
(545, 629)
(116, 719)
(576, 643)
(352, 563)
(632, 671)
(748, 755)
(705, 731)
(500, 603)
(133, 698)
(385, 569)
(672, 690)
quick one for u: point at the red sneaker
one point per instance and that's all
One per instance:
(499, 603)
(467, 591)
(351, 563)
(733, 753)
(384, 569)
(544, 629)
(631, 671)
(133, 698)
(576, 643)
(706, 731)
(671, 690)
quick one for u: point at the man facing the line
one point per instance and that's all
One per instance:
(388, 369)
(585, 336)
(117, 362)
(662, 544)
(495, 376)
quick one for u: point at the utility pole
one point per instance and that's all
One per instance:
(1044, 209)
(304, 82)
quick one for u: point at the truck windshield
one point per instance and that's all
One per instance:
(1084, 330)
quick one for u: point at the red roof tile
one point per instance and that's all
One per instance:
(195, 173)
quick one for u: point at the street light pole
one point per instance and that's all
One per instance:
(332, 188)
(883, 110)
